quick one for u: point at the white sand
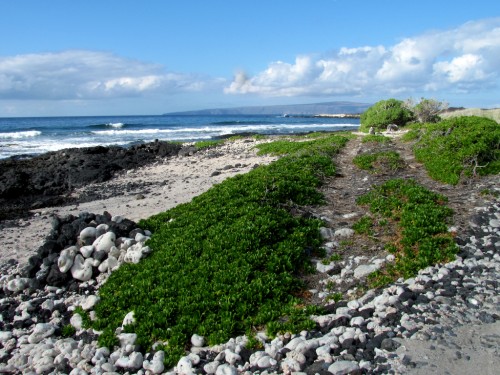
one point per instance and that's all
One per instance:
(170, 182)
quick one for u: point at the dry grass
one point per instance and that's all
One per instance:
(493, 114)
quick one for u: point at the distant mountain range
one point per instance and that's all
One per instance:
(290, 109)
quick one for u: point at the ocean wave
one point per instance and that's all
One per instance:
(22, 134)
(220, 129)
(116, 125)
(236, 122)
(131, 132)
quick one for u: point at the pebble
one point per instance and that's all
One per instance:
(361, 336)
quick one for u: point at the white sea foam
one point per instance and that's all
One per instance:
(19, 135)
(131, 132)
(230, 129)
(115, 124)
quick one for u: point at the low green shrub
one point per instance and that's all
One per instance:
(420, 215)
(208, 144)
(225, 262)
(459, 147)
(322, 145)
(364, 226)
(377, 161)
(68, 330)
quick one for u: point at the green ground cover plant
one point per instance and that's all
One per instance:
(459, 147)
(377, 161)
(226, 262)
(364, 226)
(422, 238)
(208, 144)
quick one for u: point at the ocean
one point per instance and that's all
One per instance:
(31, 136)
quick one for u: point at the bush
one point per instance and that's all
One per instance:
(422, 238)
(378, 161)
(383, 113)
(427, 110)
(459, 147)
(225, 262)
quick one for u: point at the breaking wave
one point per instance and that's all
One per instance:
(20, 135)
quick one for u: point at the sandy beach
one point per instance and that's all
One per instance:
(138, 193)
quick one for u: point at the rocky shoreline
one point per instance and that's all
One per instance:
(48, 179)
(382, 331)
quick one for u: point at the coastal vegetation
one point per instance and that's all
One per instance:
(378, 161)
(383, 113)
(400, 113)
(420, 218)
(458, 148)
(226, 263)
(230, 261)
(200, 145)
(426, 110)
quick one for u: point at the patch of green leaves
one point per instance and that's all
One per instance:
(227, 261)
(364, 226)
(323, 145)
(86, 321)
(378, 161)
(68, 330)
(422, 238)
(335, 297)
(460, 147)
(208, 144)
(493, 193)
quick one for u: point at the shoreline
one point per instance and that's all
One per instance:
(139, 190)
(135, 193)
(400, 336)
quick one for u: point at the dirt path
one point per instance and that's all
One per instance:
(342, 190)
(342, 211)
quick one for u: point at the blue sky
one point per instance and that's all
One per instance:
(150, 57)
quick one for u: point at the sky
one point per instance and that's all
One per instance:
(124, 57)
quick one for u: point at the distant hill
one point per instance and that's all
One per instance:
(290, 109)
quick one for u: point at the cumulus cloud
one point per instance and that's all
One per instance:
(84, 75)
(463, 59)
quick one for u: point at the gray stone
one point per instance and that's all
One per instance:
(88, 235)
(105, 242)
(66, 258)
(132, 362)
(226, 369)
(326, 233)
(344, 368)
(41, 331)
(81, 268)
(197, 340)
(87, 251)
(18, 284)
(156, 365)
(344, 232)
(364, 270)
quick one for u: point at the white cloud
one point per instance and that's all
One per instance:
(463, 68)
(463, 59)
(72, 75)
